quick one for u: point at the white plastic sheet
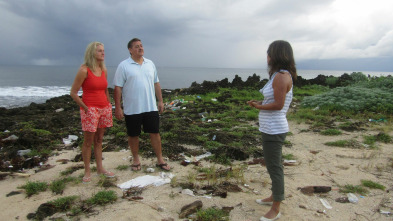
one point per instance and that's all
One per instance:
(147, 180)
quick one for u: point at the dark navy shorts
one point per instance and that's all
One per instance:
(149, 120)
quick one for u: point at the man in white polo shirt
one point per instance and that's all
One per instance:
(136, 80)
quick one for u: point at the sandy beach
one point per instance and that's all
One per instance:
(316, 165)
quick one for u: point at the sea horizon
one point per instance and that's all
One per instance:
(23, 84)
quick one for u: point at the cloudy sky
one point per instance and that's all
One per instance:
(341, 34)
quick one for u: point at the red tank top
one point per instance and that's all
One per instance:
(94, 90)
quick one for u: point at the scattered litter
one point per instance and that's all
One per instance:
(10, 138)
(6, 131)
(197, 158)
(70, 139)
(325, 203)
(23, 152)
(44, 167)
(187, 192)
(203, 114)
(214, 137)
(342, 200)
(289, 163)
(385, 212)
(316, 108)
(379, 120)
(257, 161)
(59, 110)
(214, 99)
(146, 180)
(189, 209)
(150, 170)
(352, 198)
(309, 190)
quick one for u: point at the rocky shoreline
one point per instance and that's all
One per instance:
(40, 128)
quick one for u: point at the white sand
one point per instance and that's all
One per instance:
(331, 166)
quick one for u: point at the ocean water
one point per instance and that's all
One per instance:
(21, 85)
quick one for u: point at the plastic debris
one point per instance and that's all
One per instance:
(214, 137)
(59, 110)
(147, 180)
(188, 192)
(379, 120)
(23, 152)
(70, 139)
(11, 138)
(196, 158)
(309, 190)
(150, 170)
(385, 212)
(352, 198)
(325, 203)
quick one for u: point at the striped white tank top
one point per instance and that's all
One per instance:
(274, 121)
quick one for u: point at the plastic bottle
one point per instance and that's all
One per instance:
(352, 198)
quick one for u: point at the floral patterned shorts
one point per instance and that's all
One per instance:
(96, 117)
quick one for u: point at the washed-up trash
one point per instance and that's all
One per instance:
(190, 209)
(257, 161)
(309, 190)
(70, 139)
(289, 163)
(203, 114)
(23, 152)
(59, 110)
(187, 192)
(147, 180)
(196, 158)
(385, 212)
(342, 200)
(352, 198)
(325, 203)
(379, 120)
(214, 99)
(11, 138)
(150, 170)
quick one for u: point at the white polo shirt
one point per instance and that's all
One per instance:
(137, 82)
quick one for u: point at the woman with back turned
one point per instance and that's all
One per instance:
(95, 106)
(272, 119)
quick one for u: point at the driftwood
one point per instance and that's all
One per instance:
(14, 174)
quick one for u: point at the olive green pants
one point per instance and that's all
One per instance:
(272, 151)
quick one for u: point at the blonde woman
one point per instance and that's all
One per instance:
(95, 106)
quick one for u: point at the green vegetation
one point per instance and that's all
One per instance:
(102, 198)
(331, 132)
(123, 167)
(353, 189)
(212, 214)
(288, 156)
(344, 143)
(64, 204)
(32, 188)
(372, 185)
(385, 138)
(360, 96)
(57, 186)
